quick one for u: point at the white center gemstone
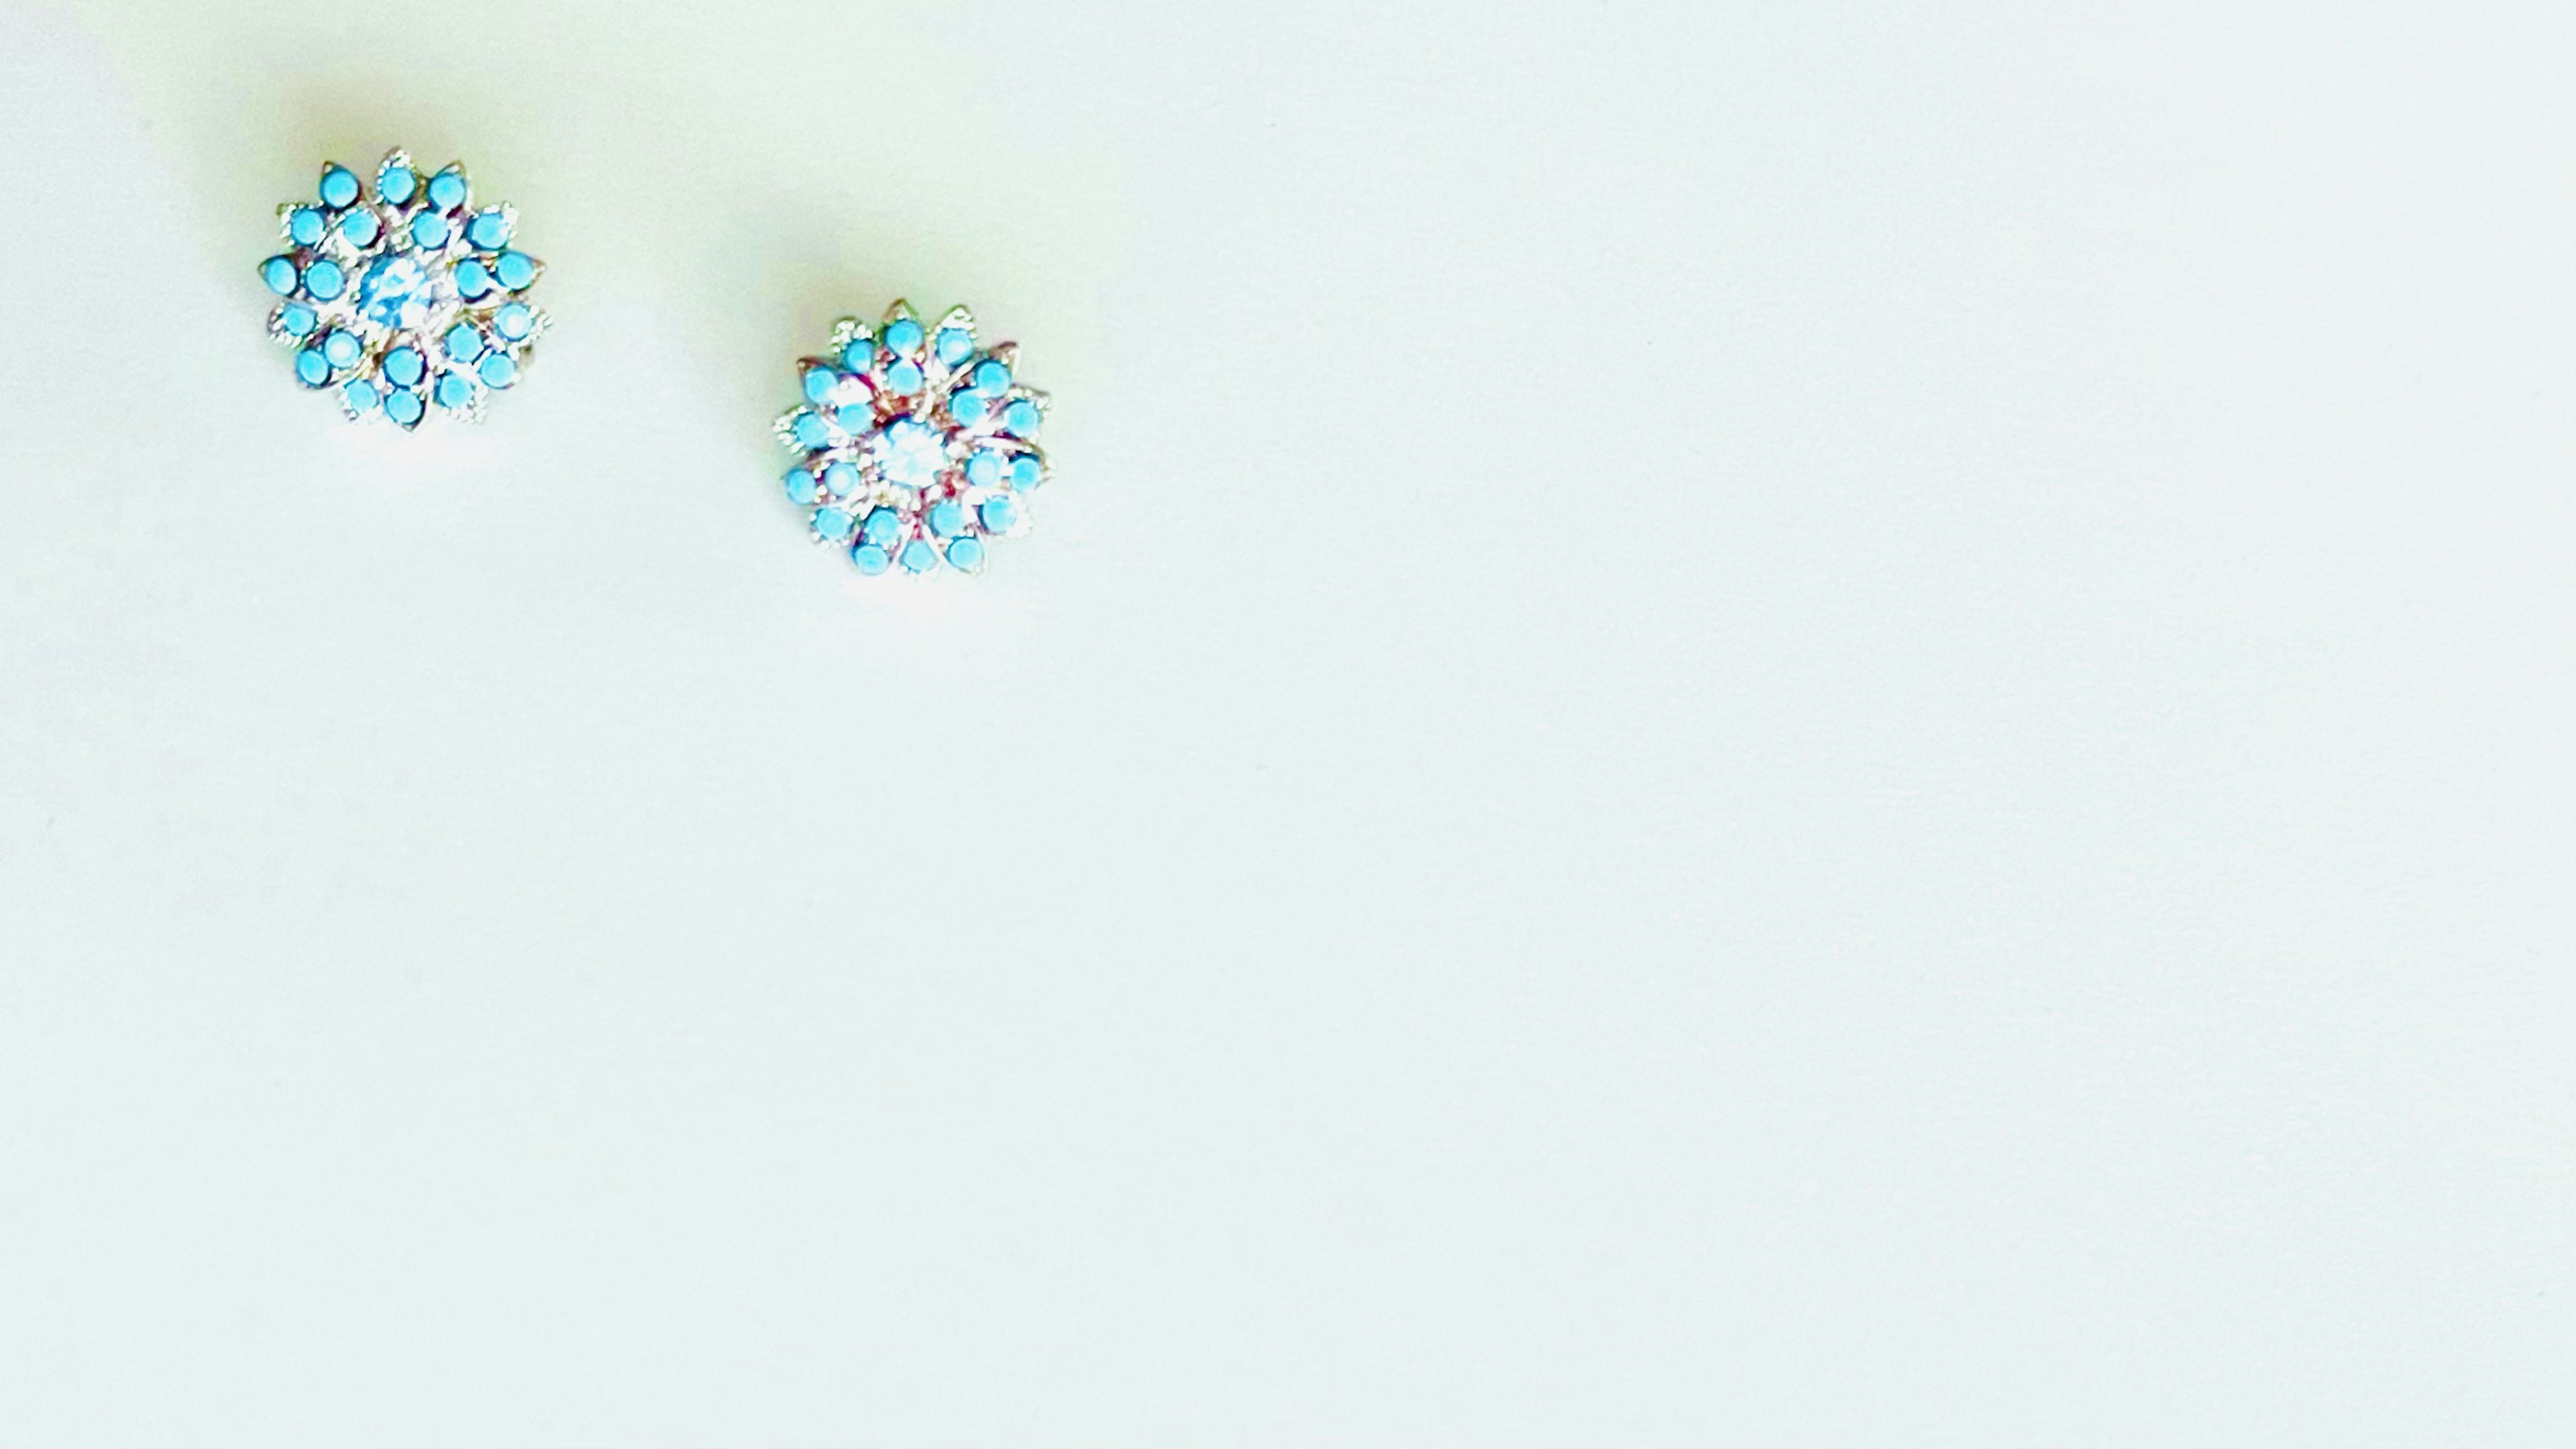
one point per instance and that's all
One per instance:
(908, 454)
(395, 294)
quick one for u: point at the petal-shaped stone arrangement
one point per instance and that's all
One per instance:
(404, 300)
(915, 444)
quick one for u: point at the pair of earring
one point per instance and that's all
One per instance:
(915, 442)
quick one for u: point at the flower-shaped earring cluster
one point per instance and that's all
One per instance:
(404, 299)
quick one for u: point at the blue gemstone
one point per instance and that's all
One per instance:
(498, 370)
(884, 526)
(489, 231)
(1027, 472)
(514, 321)
(819, 382)
(395, 293)
(903, 336)
(429, 231)
(833, 523)
(870, 558)
(341, 349)
(304, 226)
(855, 419)
(1021, 418)
(360, 228)
(945, 518)
(919, 557)
(404, 366)
(361, 396)
(859, 355)
(295, 319)
(473, 279)
(323, 280)
(339, 187)
(904, 379)
(454, 390)
(515, 269)
(447, 189)
(800, 486)
(998, 515)
(841, 479)
(955, 345)
(279, 274)
(464, 343)
(967, 407)
(966, 554)
(403, 407)
(984, 469)
(992, 377)
(311, 368)
(810, 431)
(395, 182)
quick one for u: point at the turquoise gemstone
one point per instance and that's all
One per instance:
(841, 479)
(919, 557)
(984, 469)
(447, 189)
(323, 280)
(339, 186)
(998, 515)
(514, 321)
(304, 226)
(1027, 472)
(498, 370)
(404, 366)
(904, 379)
(295, 319)
(945, 518)
(279, 274)
(884, 526)
(489, 231)
(361, 396)
(992, 377)
(967, 407)
(903, 336)
(1021, 418)
(833, 523)
(870, 558)
(395, 293)
(819, 382)
(955, 345)
(395, 182)
(341, 349)
(859, 355)
(855, 419)
(464, 343)
(453, 390)
(473, 279)
(429, 231)
(360, 228)
(800, 486)
(515, 269)
(966, 554)
(403, 407)
(311, 368)
(810, 431)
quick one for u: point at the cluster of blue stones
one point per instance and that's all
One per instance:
(406, 299)
(916, 444)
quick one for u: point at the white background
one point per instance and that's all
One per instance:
(1812, 724)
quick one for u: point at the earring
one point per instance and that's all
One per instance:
(915, 444)
(404, 300)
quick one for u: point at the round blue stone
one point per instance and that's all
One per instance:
(395, 182)
(324, 279)
(955, 345)
(834, 523)
(819, 382)
(361, 396)
(339, 186)
(800, 485)
(463, 343)
(295, 319)
(311, 368)
(515, 269)
(360, 228)
(394, 293)
(341, 349)
(998, 515)
(447, 189)
(429, 231)
(966, 554)
(945, 518)
(1021, 418)
(992, 377)
(489, 231)
(967, 407)
(304, 226)
(403, 407)
(514, 321)
(870, 558)
(904, 378)
(884, 526)
(919, 557)
(1026, 472)
(404, 366)
(855, 419)
(498, 370)
(841, 479)
(859, 354)
(903, 335)
(279, 274)
(984, 469)
(810, 430)
(454, 390)
(473, 279)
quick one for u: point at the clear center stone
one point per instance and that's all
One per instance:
(908, 454)
(395, 294)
